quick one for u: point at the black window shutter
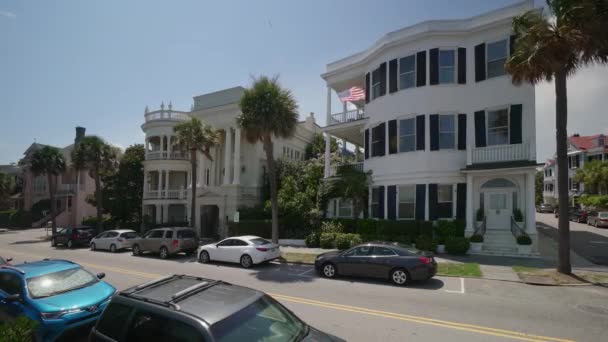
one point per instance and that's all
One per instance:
(420, 201)
(381, 202)
(461, 200)
(366, 143)
(382, 72)
(511, 44)
(462, 131)
(515, 121)
(391, 193)
(434, 66)
(480, 62)
(392, 76)
(434, 128)
(433, 212)
(382, 138)
(480, 129)
(421, 69)
(420, 136)
(367, 87)
(462, 65)
(392, 137)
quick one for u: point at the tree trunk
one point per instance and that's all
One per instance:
(193, 200)
(273, 188)
(99, 200)
(52, 190)
(561, 125)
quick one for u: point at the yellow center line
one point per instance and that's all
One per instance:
(416, 319)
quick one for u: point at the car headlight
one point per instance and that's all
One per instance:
(58, 314)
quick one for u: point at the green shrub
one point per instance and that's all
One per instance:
(411, 229)
(332, 227)
(21, 219)
(476, 238)
(426, 243)
(367, 229)
(313, 240)
(5, 218)
(108, 222)
(389, 230)
(460, 226)
(480, 214)
(327, 240)
(343, 241)
(261, 228)
(524, 240)
(21, 330)
(426, 228)
(349, 225)
(355, 239)
(445, 230)
(457, 245)
(258, 212)
(518, 215)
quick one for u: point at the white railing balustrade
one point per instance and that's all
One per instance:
(500, 153)
(167, 115)
(151, 194)
(66, 187)
(348, 116)
(333, 169)
(159, 155)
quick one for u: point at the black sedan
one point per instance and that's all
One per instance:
(397, 263)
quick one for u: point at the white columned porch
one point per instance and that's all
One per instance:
(327, 153)
(237, 157)
(227, 155)
(166, 181)
(158, 213)
(201, 170)
(328, 106)
(530, 214)
(470, 217)
(159, 186)
(165, 213)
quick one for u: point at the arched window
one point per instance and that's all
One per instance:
(498, 183)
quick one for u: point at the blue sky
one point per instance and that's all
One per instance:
(97, 64)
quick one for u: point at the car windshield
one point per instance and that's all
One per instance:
(263, 320)
(59, 282)
(185, 234)
(603, 215)
(260, 241)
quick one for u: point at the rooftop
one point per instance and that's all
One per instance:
(218, 98)
(589, 141)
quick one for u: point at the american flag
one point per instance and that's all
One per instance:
(352, 94)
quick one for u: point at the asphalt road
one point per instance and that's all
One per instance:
(589, 242)
(442, 309)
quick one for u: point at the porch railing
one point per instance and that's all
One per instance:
(159, 155)
(516, 230)
(500, 153)
(481, 229)
(334, 169)
(167, 115)
(351, 115)
(166, 194)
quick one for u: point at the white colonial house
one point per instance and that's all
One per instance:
(444, 130)
(231, 180)
(581, 150)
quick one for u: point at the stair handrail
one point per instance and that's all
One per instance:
(481, 229)
(516, 230)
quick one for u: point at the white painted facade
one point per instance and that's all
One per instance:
(231, 180)
(498, 177)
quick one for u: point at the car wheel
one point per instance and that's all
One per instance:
(328, 270)
(70, 244)
(164, 253)
(399, 277)
(596, 225)
(113, 248)
(93, 247)
(53, 243)
(203, 258)
(246, 261)
(136, 251)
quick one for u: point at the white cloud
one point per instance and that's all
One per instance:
(587, 108)
(8, 14)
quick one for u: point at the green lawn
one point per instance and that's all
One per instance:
(550, 276)
(467, 269)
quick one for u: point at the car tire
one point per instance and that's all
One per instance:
(112, 248)
(164, 253)
(70, 244)
(328, 270)
(93, 247)
(204, 258)
(399, 277)
(596, 225)
(136, 251)
(246, 261)
(53, 243)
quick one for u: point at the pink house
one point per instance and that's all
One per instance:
(73, 187)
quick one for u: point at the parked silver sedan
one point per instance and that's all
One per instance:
(598, 219)
(114, 240)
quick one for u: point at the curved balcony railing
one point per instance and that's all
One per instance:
(334, 169)
(167, 115)
(181, 194)
(163, 155)
(348, 116)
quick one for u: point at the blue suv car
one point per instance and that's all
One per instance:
(64, 298)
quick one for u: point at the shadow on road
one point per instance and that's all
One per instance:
(589, 245)
(26, 242)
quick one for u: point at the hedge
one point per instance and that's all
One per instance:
(21, 219)
(457, 245)
(263, 228)
(5, 218)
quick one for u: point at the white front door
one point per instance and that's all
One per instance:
(498, 209)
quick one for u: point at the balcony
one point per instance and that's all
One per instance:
(333, 169)
(163, 155)
(500, 153)
(66, 189)
(170, 114)
(347, 116)
(180, 194)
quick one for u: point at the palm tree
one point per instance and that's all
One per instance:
(553, 49)
(354, 184)
(267, 111)
(194, 136)
(94, 154)
(49, 160)
(595, 177)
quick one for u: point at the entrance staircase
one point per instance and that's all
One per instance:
(499, 241)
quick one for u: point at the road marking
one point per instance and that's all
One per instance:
(461, 287)
(423, 320)
(599, 242)
(416, 319)
(303, 274)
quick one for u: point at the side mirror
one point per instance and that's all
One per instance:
(9, 259)
(13, 298)
(217, 245)
(101, 275)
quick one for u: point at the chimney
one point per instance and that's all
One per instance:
(576, 135)
(310, 121)
(79, 134)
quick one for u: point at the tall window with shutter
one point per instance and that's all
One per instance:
(407, 72)
(496, 57)
(407, 202)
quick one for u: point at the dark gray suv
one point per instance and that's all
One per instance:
(190, 309)
(166, 242)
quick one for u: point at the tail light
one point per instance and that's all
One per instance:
(121, 239)
(175, 243)
(425, 260)
(262, 249)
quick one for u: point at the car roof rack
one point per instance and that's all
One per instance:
(13, 268)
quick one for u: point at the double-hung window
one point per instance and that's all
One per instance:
(375, 207)
(376, 76)
(345, 208)
(407, 72)
(407, 202)
(498, 127)
(447, 132)
(407, 135)
(445, 200)
(497, 56)
(447, 66)
(377, 140)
